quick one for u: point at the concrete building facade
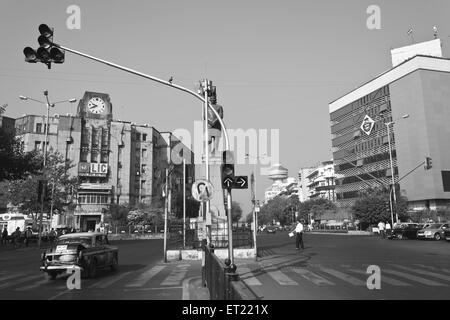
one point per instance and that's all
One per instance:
(115, 161)
(418, 88)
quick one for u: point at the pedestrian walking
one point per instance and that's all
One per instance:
(381, 228)
(28, 235)
(388, 229)
(52, 236)
(298, 235)
(5, 236)
(16, 237)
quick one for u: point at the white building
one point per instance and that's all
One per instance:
(282, 184)
(320, 182)
(303, 183)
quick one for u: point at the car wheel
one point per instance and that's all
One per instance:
(92, 269)
(437, 236)
(115, 263)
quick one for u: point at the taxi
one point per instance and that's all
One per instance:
(87, 251)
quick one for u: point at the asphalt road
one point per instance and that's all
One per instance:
(330, 267)
(142, 274)
(335, 267)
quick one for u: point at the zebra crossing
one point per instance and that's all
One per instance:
(393, 275)
(157, 276)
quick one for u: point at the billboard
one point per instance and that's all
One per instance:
(86, 169)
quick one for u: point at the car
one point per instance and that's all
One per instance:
(271, 229)
(87, 251)
(405, 231)
(447, 234)
(433, 231)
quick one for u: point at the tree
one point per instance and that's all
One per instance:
(192, 206)
(315, 207)
(371, 207)
(14, 163)
(59, 193)
(117, 214)
(236, 211)
(278, 209)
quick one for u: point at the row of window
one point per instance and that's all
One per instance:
(93, 199)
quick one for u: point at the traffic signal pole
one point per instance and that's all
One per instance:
(230, 227)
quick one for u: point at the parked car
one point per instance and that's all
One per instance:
(271, 229)
(85, 250)
(405, 231)
(433, 231)
(447, 234)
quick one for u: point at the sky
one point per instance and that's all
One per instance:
(276, 64)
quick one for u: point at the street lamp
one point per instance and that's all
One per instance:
(388, 127)
(48, 105)
(255, 202)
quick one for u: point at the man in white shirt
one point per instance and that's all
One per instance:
(388, 228)
(381, 227)
(299, 235)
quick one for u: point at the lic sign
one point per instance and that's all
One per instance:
(92, 169)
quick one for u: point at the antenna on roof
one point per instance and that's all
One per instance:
(3, 108)
(411, 34)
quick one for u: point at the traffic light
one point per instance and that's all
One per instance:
(428, 163)
(387, 206)
(227, 170)
(47, 52)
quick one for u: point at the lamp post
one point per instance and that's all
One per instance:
(255, 202)
(48, 105)
(393, 205)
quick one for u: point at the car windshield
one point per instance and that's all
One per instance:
(434, 226)
(86, 241)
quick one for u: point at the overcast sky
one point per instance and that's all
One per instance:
(276, 64)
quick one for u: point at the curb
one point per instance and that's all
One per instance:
(194, 290)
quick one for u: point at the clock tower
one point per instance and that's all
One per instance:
(95, 105)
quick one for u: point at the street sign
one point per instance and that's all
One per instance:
(202, 190)
(367, 125)
(241, 182)
(228, 182)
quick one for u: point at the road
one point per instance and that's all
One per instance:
(335, 267)
(330, 267)
(142, 274)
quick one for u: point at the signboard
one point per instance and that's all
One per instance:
(367, 125)
(228, 182)
(202, 190)
(241, 182)
(92, 169)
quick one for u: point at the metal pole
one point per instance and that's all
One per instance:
(392, 170)
(390, 204)
(230, 227)
(206, 137)
(184, 202)
(255, 218)
(167, 83)
(165, 216)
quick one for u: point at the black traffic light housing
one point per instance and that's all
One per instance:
(428, 163)
(227, 170)
(42, 190)
(47, 52)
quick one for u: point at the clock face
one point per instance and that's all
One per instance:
(96, 105)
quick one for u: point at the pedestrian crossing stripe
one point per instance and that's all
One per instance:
(103, 284)
(145, 277)
(432, 268)
(343, 276)
(385, 279)
(19, 281)
(426, 273)
(413, 278)
(176, 276)
(281, 278)
(311, 276)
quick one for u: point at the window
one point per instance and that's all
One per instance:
(144, 168)
(84, 156)
(37, 145)
(144, 137)
(144, 153)
(38, 127)
(138, 136)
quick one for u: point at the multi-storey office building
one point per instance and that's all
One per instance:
(418, 87)
(321, 182)
(115, 161)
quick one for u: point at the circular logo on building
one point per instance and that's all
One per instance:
(367, 125)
